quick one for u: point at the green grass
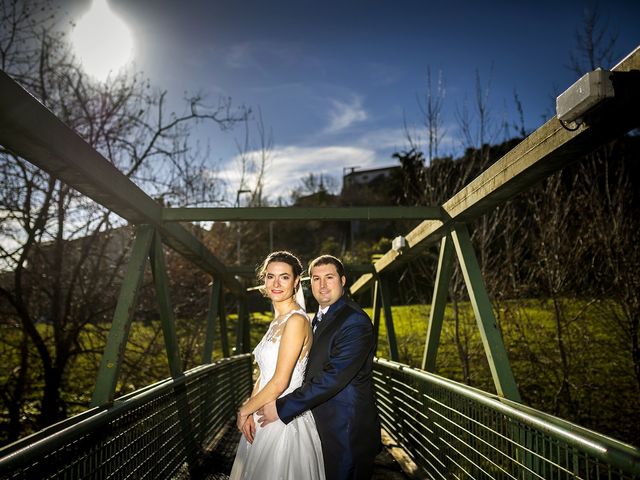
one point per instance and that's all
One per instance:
(602, 393)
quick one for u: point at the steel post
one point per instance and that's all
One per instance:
(122, 317)
(438, 304)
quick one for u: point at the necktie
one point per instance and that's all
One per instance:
(316, 320)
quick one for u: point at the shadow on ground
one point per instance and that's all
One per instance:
(217, 462)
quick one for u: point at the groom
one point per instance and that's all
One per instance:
(338, 385)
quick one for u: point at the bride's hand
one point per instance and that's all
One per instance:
(241, 420)
(249, 429)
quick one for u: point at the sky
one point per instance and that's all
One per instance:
(338, 84)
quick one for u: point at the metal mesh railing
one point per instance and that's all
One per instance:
(453, 431)
(158, 432)
(449, 431)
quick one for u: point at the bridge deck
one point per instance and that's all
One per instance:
(217, 462)
(182, 429)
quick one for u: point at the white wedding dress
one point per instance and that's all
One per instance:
(279, 451)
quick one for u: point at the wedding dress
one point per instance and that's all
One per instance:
(280, 451)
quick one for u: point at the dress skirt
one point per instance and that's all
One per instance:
(281, 452)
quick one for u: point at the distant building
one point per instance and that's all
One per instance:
(366, 177)
(321, 198)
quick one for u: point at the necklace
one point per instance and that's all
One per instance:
(293, 307)
(285, 314)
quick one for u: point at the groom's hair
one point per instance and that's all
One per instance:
(327, 260)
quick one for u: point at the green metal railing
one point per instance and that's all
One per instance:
(450, 430)
(157, 432)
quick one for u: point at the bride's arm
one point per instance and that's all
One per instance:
(255, 386)
(248, 426)
(291, 343)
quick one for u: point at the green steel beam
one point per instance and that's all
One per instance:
(214, 312)
(385, 297)
(246, 327)
(491, 338)
(438, 304)
(250, 271)
(266, 214)
(122, 317)
(239, 329)
(30, 130)
(376, 307)
(243, 334)
(242, 270)
(224, 334)
(186, 244)
(163, 297)
(547, 150)
(167, 320)
(358, 268)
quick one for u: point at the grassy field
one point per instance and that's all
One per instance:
(594, 387)
(599, 391)
(599, 388)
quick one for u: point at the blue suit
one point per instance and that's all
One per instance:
(338, 389)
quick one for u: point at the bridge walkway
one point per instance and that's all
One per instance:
(217, 461)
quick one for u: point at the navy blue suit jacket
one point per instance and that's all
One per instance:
(338, 389)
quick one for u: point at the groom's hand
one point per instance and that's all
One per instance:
(268, 414)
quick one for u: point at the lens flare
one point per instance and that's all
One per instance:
(102, 41)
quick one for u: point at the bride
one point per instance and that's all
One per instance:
(279, 451)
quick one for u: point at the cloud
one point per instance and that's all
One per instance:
(343, 115)
(288, 164)
(240, 56)
(384, 139)
(384, 75)
(261, 56)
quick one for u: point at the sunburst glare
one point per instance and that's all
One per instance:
(102, 41)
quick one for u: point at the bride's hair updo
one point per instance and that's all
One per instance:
(280, 256)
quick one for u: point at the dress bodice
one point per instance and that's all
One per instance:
(279, 450)
(266, 353)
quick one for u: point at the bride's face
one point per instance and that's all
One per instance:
(279, 281)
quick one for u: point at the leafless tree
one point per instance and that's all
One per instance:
(431, 110)
(559, 251)
(477, 127)
(595, 43)
(610, 216)
(253, 160)
(607, 197)
(62, 260)
(520, 127)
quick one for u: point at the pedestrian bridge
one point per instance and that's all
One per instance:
(444, 429)
(448, 430)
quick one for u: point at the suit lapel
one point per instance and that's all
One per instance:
(329, 317)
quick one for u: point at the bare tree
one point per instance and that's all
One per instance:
(64, 252)
(595, 46)
(313, 183)
(607, 197)
(253, 160)
(595, 43)
(520, 127)
(609, 214)
(559, 251)
(431, 109)
(477, 127)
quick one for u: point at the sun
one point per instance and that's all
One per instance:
(102, 41)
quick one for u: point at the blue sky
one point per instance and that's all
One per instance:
(336, 81)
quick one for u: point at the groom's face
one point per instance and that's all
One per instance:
(327, 286)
